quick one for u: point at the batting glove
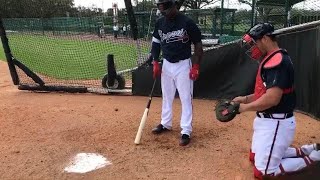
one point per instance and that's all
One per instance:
(156, 69)
(194, 72)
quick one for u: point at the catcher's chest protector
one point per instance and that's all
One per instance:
(270, 61)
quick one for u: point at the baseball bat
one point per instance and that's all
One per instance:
(144, 116)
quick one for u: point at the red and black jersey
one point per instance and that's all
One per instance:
(276, 70)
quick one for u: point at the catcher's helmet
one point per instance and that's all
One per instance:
(261, 29)
(254, 34)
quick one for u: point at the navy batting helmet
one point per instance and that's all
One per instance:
(164, 1)
(167, 5)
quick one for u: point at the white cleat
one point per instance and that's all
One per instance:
(307, 149)
(315, 155)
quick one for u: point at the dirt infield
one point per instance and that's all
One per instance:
(41, 132)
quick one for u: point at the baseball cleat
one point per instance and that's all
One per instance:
(315, 155)
(185, 140)
(159, 129)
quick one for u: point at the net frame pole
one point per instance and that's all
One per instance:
(287, 9)
(253, 13)
(8, 54)
(297, 27)
(221, 17)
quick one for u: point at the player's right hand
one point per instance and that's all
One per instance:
(194, 72)
(156, 69)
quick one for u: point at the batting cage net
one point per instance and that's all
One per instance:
(58, 45)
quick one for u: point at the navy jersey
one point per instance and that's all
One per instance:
(175, 37)
(281, 76)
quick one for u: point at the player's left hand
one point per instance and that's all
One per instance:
(194, 72)
(226, 110)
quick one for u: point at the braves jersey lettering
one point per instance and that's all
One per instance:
(170, 37)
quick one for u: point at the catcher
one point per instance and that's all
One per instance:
(274, 101)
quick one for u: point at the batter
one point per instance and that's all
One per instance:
(173, 35)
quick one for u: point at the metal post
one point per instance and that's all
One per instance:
(221, 18)
(7, 51)
(214, 24)
(143, 18)
(287, 13)
(253, 13)
(232, 29)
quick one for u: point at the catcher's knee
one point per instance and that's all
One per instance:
(251, 156)
(257, 174)
(260, 175)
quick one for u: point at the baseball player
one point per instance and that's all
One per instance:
(173, 34)
(274, 100)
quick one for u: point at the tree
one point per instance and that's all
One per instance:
(35, 8)
(44, 9)
(51, 8)
(89, 12)
(198, 4)
(144, 5)
(242, 16)
(264, 12)
(109, 12)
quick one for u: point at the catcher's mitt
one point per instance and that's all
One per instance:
(226, 110)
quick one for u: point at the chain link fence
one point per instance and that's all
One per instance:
(73, 49)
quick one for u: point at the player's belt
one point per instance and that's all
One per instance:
(288, 90)
(275, 115)
(176, 60)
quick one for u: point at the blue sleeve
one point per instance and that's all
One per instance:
(155, 51)
(194, 32)
(155, 46)
(155, 33)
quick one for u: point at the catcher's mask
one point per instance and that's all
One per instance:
(255, 33)
(250, 47)
(167, 6)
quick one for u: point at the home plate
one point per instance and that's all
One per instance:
(86, 162)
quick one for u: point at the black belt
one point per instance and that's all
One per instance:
(176, 60)
(275, 115)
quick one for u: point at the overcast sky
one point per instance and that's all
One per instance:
(105, 4)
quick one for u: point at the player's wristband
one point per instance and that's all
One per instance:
(196, 66)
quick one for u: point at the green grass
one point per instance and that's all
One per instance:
(2, 56)
(70, 58)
